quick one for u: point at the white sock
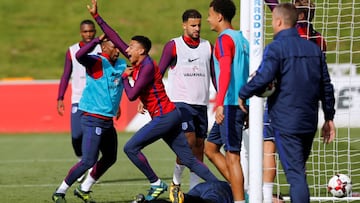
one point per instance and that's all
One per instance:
(178, 171)
(158, 182)
(88, 182)
(241, 201)
(62, 188)
(267, 192)
(194, 180)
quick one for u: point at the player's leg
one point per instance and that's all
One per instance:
(187, 126)
(178, 143)
(200, 121)
(90, 152)
(77, 134)
(108, 147)
(269, 162)
(212, 148)
(231, 132)
(157, 128)
(293, 155)
(269, 172)
(244, 160)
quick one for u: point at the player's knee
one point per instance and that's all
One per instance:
(110, 160)
(88, 163)
(129, 149)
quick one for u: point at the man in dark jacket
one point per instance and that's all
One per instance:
(303, 80)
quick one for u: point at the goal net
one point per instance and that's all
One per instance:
(339, 23)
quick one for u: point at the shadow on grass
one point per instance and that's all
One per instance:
(131, 180)
(130, 201)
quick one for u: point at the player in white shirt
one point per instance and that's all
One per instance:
(189, 59)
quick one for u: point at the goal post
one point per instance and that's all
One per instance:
(253, 19)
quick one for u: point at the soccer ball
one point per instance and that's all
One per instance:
(340, 185)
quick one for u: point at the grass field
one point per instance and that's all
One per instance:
(33, 165)
(36, 34)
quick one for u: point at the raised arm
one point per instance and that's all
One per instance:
(83, 54)
(109, 32)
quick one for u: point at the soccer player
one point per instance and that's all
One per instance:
(166, 119)
(231, 59)
(99, 103)
(74, 70)
(305, 12)
(189, 60)
(206, 192)
(288, 59)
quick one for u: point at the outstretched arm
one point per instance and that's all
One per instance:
(109, 32)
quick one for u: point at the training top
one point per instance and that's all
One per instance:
(303, 80)
(231, 63)
(74, 70)
(103, 90)
(189, 78)
(148, 85)
(211, 191)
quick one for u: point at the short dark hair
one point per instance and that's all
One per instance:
(288, 13)
(226, 8)
(144, 41)
(87, 22)
(306, 7)
(190, 13)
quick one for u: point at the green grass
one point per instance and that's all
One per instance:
(33, 165)
(36, 34)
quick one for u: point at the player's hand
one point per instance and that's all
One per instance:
(140, 108)
(92, 9)
(128, 71)
(102, 37)
(219, 114)
(328, 131)
(60, 107)
(242, 105)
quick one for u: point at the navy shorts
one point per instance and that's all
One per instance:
(268, 131)
(214, 135)
(230, 131)
(194, 118)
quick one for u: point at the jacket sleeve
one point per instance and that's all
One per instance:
(327, 94)
(266, 73)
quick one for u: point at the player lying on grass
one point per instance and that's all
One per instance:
(206, 192)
